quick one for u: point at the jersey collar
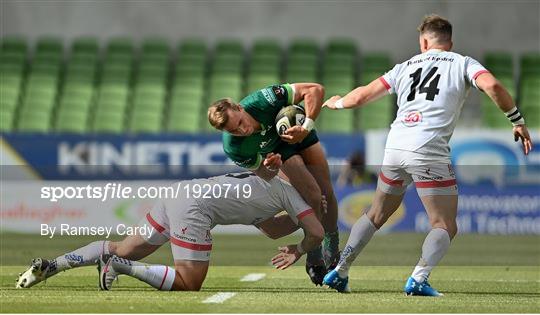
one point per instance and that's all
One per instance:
(434, 50)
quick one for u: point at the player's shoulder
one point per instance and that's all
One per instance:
(232, 144)
(269, 95)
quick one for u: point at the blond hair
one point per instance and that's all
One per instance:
(437, 26)
(218, 112)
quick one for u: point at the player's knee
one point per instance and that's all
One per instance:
(178, 287)
(186, 282)
(452, 229)
(121, 249)
(449, 225)
(113, 248)
(378, 218)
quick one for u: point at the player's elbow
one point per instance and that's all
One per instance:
(492, 87)
(317, 90)
(272, 234)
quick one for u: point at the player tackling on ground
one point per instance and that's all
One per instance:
(187, 222)
(431, 88)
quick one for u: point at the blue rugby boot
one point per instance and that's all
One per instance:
(333, 280)
(413, 287)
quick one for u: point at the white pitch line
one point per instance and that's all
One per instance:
(219, 297)
(253, 277)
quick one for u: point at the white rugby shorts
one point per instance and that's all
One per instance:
(432, 175)
(183, 223)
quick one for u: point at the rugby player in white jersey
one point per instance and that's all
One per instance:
(431, 88)
(187, 222)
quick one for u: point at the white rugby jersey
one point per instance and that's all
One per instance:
(431, 88)
(265, 200)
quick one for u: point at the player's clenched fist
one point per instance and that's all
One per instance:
(272, 161)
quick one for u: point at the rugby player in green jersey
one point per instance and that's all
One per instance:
(250, 139)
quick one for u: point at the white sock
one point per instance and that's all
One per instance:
(84, 256)
(361, 233)
(159, 276)
(435, 246)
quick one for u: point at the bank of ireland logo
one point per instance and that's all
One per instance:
(412, 118)
(354, 205)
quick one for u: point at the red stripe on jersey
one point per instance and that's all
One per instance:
(476, 75)
(304, 213)
(153, 223)
(391, 182)
(192, 246)
(386, 85)
(164, 277)
(436, 183)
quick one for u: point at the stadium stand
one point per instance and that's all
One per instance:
(529, 93)
(147, 87)
(12, 68)
(186, 107)
(338, 77)
(502, 66)
(380, 114)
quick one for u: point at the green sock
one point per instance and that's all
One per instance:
(330, 248)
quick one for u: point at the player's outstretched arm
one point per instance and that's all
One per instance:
(313, 236)
(278, 226)
(358, 97)
(500, 96)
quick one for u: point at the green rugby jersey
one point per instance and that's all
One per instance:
(263, 105)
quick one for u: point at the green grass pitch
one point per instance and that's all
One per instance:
(480, 274)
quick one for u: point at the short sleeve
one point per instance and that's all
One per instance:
(278, 95)
(473, 69)
(293, 203)
(389, 79)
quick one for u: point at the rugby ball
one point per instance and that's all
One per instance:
(289, 116)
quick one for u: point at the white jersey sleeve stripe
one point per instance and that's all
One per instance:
(386, 85)
(304, 213)
(477, 74)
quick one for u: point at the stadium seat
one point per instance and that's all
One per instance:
(6, 119)
(155, 46)
(345, 46)
(304, 46)
(529, 98)
(50, 45)
(108, 124)
(491, 114)
(379, 114)
(499, 63)
(266, 46)
(192, 47)
(34, 121)
(530, 64)
(85, 45)
(375, 62)
(14, 44)
(232, 47)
